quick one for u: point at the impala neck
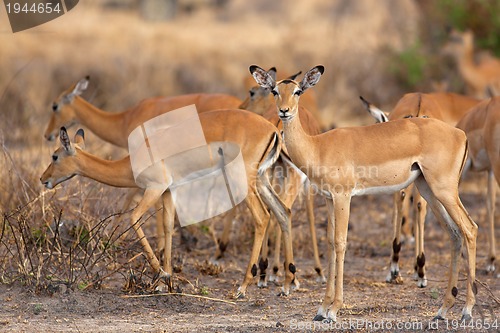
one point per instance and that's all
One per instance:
(298, 143)
(115, 173)
(107, 126)
(467, 66)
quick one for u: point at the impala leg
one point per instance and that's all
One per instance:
(223, 241)
(397, 221)
(491, 200)
(150, 197)
(273, 277)
(264, 254)
(283, 215)
(342, 208)
(420, 208)
(312, 228)
(468, 231)
(407, 224)
(127, 205)
(342, 202)
(168, 217)
(278, 184)
(290, 194)
(261, 219)
(452, 215)
(160, 231)
(322, 313)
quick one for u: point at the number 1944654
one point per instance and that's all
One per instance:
(35, 8)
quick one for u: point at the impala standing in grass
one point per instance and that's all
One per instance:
(257, 140)
(448, 107)
(290, 182)
(478, 75)
(398, 153)
(70, 109)
(482, 126)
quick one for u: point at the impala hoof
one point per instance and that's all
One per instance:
(490, 268)
(438, 317)
(319, 318)
(321, 279)
(394, 277)
(239, 295)
(422, 283)
(466, 317)
(163, 281)
(215, 262)
(282, 294)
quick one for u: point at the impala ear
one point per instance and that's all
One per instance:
(294, 76)
(80, 138)
(311, 77)
(379, 115)
(81, 86)
(272, 71)
(262, 77)
(65, 142)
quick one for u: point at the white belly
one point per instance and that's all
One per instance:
(387, 189)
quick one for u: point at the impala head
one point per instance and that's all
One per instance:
(286, 92)
(64, 163)
(63, 114)
(259, 99)
(458, 43)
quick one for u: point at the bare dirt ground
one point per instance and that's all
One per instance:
(130, 59)
(370, 303)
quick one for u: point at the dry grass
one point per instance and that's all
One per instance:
(129, 59)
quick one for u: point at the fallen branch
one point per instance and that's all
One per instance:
(180, 294)
(491, 294)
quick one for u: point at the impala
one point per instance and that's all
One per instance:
(70, 109)
(260, 146)
(448, 107)
(482, 126)
(476, 75)
(260, 101)
(292, 184)
(401, 151)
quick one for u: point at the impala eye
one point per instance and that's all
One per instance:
(54, 107)
(252, 93)
(274, 92)
(298, 92)
(54, 158)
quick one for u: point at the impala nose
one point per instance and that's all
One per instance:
(46, 183)
(284, 112)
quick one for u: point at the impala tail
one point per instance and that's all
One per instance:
(375, 112)
(271, 155)
(265, 190)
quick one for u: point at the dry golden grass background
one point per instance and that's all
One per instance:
(208, 50)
